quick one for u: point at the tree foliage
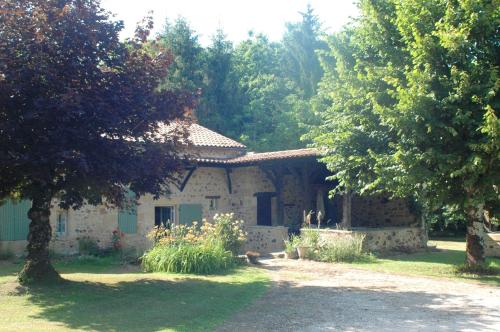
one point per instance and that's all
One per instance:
(78, 113)
(186, 72)
(258, 91)
(414, 99)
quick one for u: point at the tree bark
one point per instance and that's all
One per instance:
(475, 237)
(37, 267)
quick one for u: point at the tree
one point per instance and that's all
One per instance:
(265, 120)
(219, 102)
(187, 69)
(414, 100)
(301, 42)
(78, 114)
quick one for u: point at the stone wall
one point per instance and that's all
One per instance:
(266, 239)
(99, 222)
(379, 211)
(13, 247)
(383, 239)
(293, 199)
(492, 244)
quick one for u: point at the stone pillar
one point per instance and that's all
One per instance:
(306, 182)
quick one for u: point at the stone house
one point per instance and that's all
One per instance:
(270, 191)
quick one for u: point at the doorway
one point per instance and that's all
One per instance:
(264, 208)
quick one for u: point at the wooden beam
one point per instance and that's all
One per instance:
(228, 178)
(186, 179)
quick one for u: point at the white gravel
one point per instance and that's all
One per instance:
(313, 296)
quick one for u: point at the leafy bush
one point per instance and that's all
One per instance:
(447, 221)
(6, 255)
(292, 243)
(309, 238)
(227, 231)
(188, 258)
(343, 249)
(88, 246)
(192, 249)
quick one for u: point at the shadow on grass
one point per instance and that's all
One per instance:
(142, 305)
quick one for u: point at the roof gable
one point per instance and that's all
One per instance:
(200, 136)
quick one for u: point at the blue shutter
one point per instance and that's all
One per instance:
(14, 221)
(127, 217)
(189, 213)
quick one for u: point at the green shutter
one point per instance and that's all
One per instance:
(127, 218)
(14, 221)
(189, 213)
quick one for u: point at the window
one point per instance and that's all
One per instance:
(213, 202)
(164, 215)
(62, 223)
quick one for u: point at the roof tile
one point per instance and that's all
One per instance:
(202, 136)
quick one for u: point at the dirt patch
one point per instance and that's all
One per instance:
(313, 296)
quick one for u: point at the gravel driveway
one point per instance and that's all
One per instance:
(313, 296)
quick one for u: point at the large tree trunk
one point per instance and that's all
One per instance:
(475, 236)
(37, 267)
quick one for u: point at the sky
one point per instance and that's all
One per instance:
(235, 17)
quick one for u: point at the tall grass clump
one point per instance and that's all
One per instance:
(206, 249)
(343, 249)
(188, 258)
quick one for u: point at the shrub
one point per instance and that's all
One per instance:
(292, 244)
(117, 239)
(6, 255)
(310, 238)
(188, 258)
(343, 249)
(88, 246)
(227, 231)
(192, 249)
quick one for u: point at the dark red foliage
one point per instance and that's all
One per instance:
(77, 105)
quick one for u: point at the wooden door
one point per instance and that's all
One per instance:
(264, 214)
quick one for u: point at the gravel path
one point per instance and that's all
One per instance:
(313, 296)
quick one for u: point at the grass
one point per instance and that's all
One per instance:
(101, 295)
(188, 258)
(442, 262)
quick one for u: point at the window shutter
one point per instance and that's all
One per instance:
(127, 217)
(14, 221)
(189, 213)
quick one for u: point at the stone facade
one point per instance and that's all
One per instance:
(383, 239)
(98, 223)
(492, 244)
(265, 239)
(379, 211)
(220, 187)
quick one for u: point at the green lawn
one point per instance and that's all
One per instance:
(436, 263)
(103, 296)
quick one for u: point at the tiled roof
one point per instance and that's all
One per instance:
(203, 137)
(251, 157)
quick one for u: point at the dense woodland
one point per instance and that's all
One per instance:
(260, 92)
